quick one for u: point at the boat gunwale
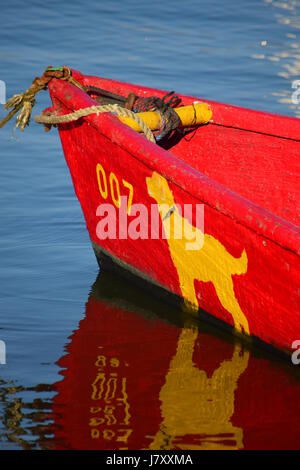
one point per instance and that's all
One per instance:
(241, 210)
(225, 115)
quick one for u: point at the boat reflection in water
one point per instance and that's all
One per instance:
(140, 375)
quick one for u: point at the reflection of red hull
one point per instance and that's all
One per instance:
(134, 381)
(242, 167)
(130, 342)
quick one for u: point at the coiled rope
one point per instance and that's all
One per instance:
(54, 119)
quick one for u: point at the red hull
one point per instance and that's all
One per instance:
(244, 168)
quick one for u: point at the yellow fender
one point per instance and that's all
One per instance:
(198, 113)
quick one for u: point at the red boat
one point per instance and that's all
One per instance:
(242, 167)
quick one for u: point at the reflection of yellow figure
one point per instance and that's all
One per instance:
(212, 263)
(197, 406)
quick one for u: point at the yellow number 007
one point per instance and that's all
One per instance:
(114, 187)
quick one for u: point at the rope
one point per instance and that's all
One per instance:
(24, 102)
(164, 106)
(53, 119)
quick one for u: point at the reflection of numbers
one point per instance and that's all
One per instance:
(114, 362)
(95, 409)
(96, 421)
(108, 412)
(95, 433)
(100, 383)
(111, 388)
(101, 361)
(125, 436)
(125, 401)
(97, 386)
(114, 187)
(108, 434)
(109, 415)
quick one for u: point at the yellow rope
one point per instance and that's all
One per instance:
(114, 108)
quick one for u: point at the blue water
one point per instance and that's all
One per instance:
(241, 52)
